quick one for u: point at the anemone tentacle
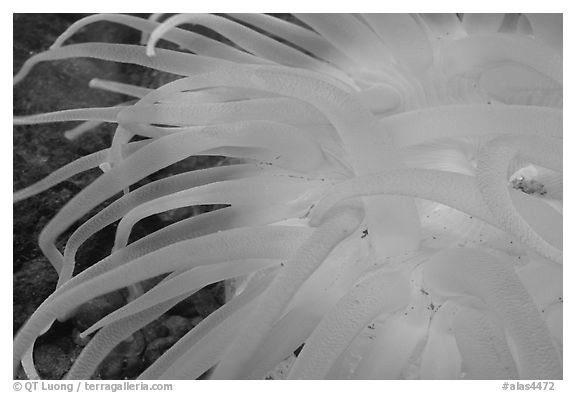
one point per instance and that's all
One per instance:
(281, 240)
(492, 184)
(174, 362)
(299, 267)
(493, 280)
(484, 349)
(385, 292)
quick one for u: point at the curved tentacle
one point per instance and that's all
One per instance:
(139, 165)
(351, 36)
(304, 38)
(75, 167)
(111, 335)
(393, 218)
(483, 346)
(186, 358)
(187, 282)
(280, 242)
(197, 226)
(414, 127)
(123, 205)
(165, 60)
(460, 192)
(261, 190)
(185, 39)
(460, 271)
(480, 51)
(99, 114)
(384, 292)
(492, 181)
(280, 110)
(298, 268)
(260, 45)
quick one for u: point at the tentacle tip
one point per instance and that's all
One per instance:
(17, 197)
(18, 77)
(105, 167)
(150, 51)
(70, 135)
(84, 334)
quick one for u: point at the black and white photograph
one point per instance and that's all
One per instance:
(279, 196)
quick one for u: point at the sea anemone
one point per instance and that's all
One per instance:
(396, 211)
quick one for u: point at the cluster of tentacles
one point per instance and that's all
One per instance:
(374, 216)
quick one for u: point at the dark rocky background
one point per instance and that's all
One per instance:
(41, 149)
